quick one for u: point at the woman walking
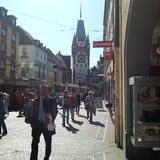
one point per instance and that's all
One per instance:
(89, 105)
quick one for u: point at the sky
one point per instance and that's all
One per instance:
(54, 22)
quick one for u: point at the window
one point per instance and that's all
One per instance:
(3, 47)
(4, 31)
(13, 52)
(23, 72)
(13, 37)
(2, 63)
(13, 21)
(13, 66)
(24, 52)
(81, 58)
(45, 57)
(24, 49)
(37, 52)
(4, 14)
(36, 75)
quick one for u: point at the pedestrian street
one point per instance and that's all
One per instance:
(79, 140)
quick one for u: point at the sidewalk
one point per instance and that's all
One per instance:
(79, 141)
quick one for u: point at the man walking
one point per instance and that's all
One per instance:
(42, 121)
(65, 107)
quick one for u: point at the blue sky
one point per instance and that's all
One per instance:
(54, 22)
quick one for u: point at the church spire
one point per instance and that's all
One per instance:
(80, 12)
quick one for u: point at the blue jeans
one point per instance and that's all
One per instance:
(89, 114)
(64, 114)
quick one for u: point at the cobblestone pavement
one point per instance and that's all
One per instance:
(79, 141)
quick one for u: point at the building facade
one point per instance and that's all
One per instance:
(65, 68)
(32, 57)
(54, 71)
(80, 55)
(37, 63)
(9, 41)
(136, 71)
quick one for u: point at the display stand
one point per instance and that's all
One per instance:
(145, 111)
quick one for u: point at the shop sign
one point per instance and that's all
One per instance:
(108, 56)
(97, 44)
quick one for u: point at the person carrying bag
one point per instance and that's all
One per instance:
(90, 106)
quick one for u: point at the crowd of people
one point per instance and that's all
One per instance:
(44, 110)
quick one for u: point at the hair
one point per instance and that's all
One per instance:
(65, 91)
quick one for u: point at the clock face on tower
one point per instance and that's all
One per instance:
(81, 58)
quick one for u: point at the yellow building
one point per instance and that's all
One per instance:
(9, 40)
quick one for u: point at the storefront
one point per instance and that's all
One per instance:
(141, 58)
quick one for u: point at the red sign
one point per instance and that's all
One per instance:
(102, 44)
(108, 56)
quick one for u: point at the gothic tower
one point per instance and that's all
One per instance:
(80, 55)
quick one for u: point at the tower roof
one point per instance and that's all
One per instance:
(80, 33)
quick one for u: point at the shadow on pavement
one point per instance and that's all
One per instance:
(98, 124)
(77, 122)
(101, 110)
(80, 115)
(71, 128)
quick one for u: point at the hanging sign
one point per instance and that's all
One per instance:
(97, 44)
(108, 56)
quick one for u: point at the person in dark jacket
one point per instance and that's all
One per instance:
(78, 98)
(5, 113)
(65, 107)
(1, 112)
(42, 121)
